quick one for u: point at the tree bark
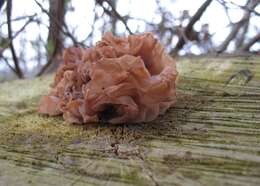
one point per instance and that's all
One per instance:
(55, 37)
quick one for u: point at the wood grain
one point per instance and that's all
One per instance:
(211, 137)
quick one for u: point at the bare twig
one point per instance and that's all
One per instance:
(250, 43)
(252, 10)
(90, 35)
(114, 12)
(66, 31)
(18, 70)
(189, 28)
(22, 28)
(19, 19)
(45, 67)
(251, 4)
(7, 44)
(8, 64)
(61, 26)
(226, 8)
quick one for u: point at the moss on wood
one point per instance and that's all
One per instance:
(211, 137)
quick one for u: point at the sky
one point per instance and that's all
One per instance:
(81, 18)
(215, 14)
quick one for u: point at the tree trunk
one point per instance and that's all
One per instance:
(55, 37)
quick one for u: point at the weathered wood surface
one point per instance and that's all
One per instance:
(211, 137)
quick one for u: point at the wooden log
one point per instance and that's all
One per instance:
(211, 136)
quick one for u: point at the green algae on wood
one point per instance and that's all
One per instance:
(211, 136)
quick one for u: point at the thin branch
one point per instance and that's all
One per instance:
(23, 27)
(18, 70)
(66, 31)
(189, 27)
(251, 4)
(19, 19)
(226, 8)
(250, 43)
(252, 10)
(90, 35)
(114, 12)
(8, 64)
(44, 68)
(7, 44)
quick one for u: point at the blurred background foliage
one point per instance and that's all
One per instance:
(33, 33)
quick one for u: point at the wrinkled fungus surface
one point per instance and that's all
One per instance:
(119, 80)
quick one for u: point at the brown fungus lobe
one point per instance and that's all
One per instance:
(119, 80)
